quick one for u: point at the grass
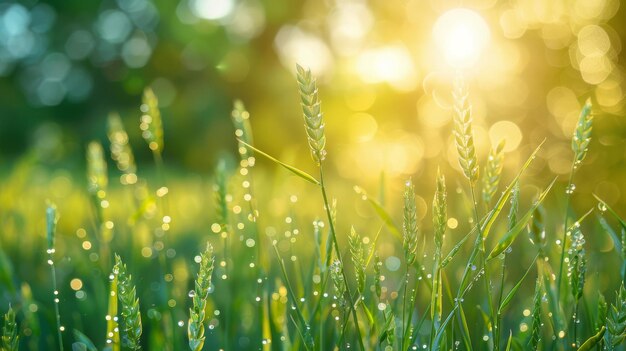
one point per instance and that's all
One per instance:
(270, 280)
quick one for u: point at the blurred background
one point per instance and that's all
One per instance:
(384, 82)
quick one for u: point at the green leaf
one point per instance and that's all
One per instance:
(510, 236)
(86, 343)
(612, 211)
(513, 291)
(593, 340)
(508, 343)
(294, 170)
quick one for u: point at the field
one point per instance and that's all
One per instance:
(313, 238)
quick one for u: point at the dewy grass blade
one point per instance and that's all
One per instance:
(294, 170)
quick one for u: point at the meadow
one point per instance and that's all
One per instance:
(271, 259)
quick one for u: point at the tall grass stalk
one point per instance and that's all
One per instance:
(409, 243)
(511, 224)
(314, 126)
(468, 161)
(440, 217)
(580, 144)
(51, 226)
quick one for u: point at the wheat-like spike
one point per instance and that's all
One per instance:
(582, 133)
(616, 320)
(151, 124)
(514, 206)
(493, 171)
(241, 121)
(537, 227)
(377, 275)
(409, 226)
(336, 274)
(535, 330)
(96, 170)
(313, 117)
(463, 135)
(121, 152)
(195, 328)
(10, 339)
(131, 316)
(356, 253)
(577, 263)
(440, 214)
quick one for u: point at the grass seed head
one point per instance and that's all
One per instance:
(241, 121)
(96, 170)
(463, 134)
(577, 262)
(358, 259)
(195, 328)
(493, 171)
(440, 215)
(10, 339)
(313, 117)
(131, 315)
(121, 152)
(336, 274)
(409, 227)
(616, 320)
(150, 123)
(582, 133)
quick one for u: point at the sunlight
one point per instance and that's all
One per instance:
(461, 35)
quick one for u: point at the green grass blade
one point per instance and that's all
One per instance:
(511, 294)
(612, 211)
(593, 340)
(510, 236)
(294, 170)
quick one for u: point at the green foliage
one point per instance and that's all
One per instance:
(357, 254)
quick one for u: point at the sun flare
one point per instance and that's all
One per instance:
(461, 34)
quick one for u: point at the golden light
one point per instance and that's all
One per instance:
(390, 64)
(461, 35)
